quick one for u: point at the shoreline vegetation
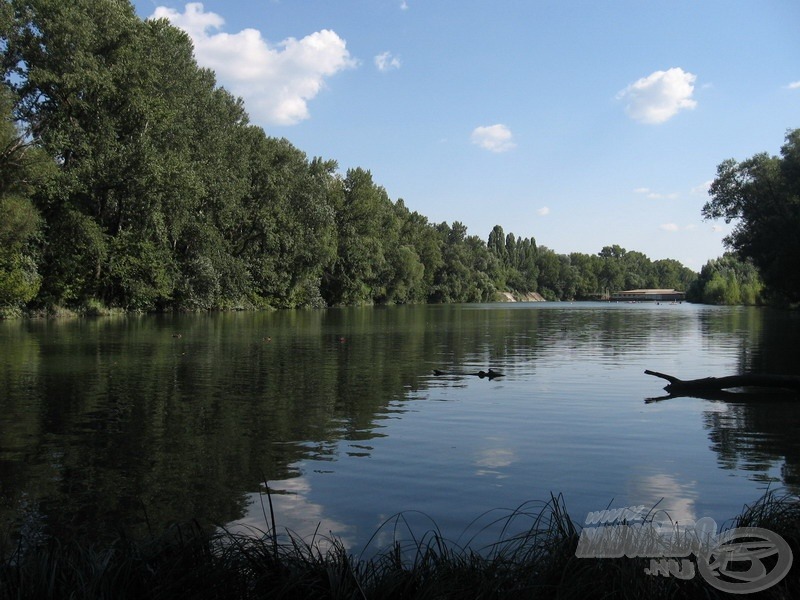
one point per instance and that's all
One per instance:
(118, 192)
(191, 561)
(97, 309)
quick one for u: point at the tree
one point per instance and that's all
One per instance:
(610, 275)
(22, 166)
(671, 274)
(587, 267)
(727, 280)
(555, 280)
(283, 230)
(85, 88)
(360, 271)
(762, 195)
(129, 177)
(140, 211)
(497, 242)
(427, 244)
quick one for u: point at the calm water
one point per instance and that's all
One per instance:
(117, 421)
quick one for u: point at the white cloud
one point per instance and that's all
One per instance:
(716, 228)
(544, 211)
(386, 62)
(659, 96)
(703, 187)
(404, 5)
(795, 85)
(669, 227)
(276, 81)
(495, 138)
(655, 195)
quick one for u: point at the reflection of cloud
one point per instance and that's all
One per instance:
(293, 512)
(489, 460)
(678, 499)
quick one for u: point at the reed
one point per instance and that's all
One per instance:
(533, 556)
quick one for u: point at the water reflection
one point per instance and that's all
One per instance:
(294, 513)
(666, 494)
(119, 422)
(492, 459)
(759, 436)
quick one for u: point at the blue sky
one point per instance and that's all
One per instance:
(579, 123)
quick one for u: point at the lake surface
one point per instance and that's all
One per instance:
(118, 422)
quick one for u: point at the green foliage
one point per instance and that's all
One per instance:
(135, 182)
(360, 269)
(468, 270)
(762, 195)
(137, 272)
(406, 276)
(528, 268)
(727, 280)
(21, 167)
(19, 280)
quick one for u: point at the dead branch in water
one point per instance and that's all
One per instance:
(707, 384)
(490, 374)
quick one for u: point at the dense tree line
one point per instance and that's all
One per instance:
(762, 195)
(727, 280)
(526, 267)
(129, 179)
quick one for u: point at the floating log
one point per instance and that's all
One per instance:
(708, 384)
(490, 374)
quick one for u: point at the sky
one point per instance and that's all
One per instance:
(581, 124)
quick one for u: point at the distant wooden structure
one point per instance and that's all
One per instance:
(648, 295)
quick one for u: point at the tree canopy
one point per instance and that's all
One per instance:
(762, 196)
(130, 179)
(727, 280)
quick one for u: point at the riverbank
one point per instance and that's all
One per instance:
(94, 308)
(190, 562)
(520, 297)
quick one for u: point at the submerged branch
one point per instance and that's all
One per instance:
(709, 384)
(490, 374)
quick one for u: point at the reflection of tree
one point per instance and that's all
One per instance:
(756, 435)
(125, 424)
(761, 428)
(116, 422)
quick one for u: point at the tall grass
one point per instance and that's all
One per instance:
(532, 557)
